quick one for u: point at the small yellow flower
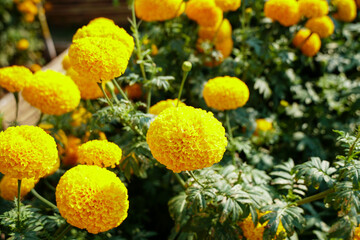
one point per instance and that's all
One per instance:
(92, 198)
(9, 187)
(22, 44)
(323, 26)
(158, 10)
(29, 18)
(309, 45)
(263, 125)
(165, 104)
(216, 33)
(101, 21)
(313, 8)
(15, 78)
(346, 10)
(35, 67)
(80, 116)
(204, 12)
(286, 12)
(228, 5)
(284, 103)
(154, 50)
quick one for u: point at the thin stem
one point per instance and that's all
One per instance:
(120, 90)
(16, 95)
(180, 180)
(148, 104)
(228, 126)
(46, 32)
(351, 150)
(51, 187)
(217, 31)
(64, 232)
(38, 196)
(19, 200)
(182, 87)
(40, 119)
(314, 197)
(112, 92)
(106, 96)
(193, 176)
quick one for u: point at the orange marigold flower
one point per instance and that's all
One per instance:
(66, 62)
(35, 67)
(99, 59)
(92, 198)
(28, 7)
(323, 26)
(154, 50)
(70, 153)
(9, 187)
(26, 152)
(263, 125)
(158, 10)
(15, 78)
(357, 233)
(228, 5)
(346, 10)
(286, 12)
(28, 17)
(80, 116)
(313, 8)
(134, 91)
(22, 44)
(99, 152)
(204, 12)
(52, 92)
(216, 33)
(309, 45)
(225, 93)
(165, 104)
(185, 138)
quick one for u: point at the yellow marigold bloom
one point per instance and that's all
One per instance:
(52, 92)
(101, 20)
(26, 152)
(80, 116)
(99, 59)
(158, 10)
(71, 157)
(9, 187)
(286, 12)
(225, 93)
(28, 7)
(204, 12)
(22, 44)
(309, 45)
(15, 78)
(346, 10)
(66, 62)
(28, 17)
(165, 104)
(93, 198)
(134, 91)
(54, 168)
(323, 26)
(313, 8)
(216, 33)
(263, 125)
(35, 67)
(357, 233)
(185, 138)
(228, 5)
(154, 50)
(99, 152)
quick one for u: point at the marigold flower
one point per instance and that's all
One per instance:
(35, 67)
(224, 47)
(165, 104)
(185, 138)
(286, 12)
(309, 45)
(323, 26)
(204, 12)
(26, 152)
(54, 168)
(357, 233)
(346, 10)
(93, 198)
(216, 33)
(225, 93)
(52, 92)
(134, 91)
(71, 157)
(28, 7)
(313, 8)
(154, 50)
(9, 187)
(99, 152)
(263, 125)
(15, 78)
(80, 116)
(228, 5)
(66, 62)
(22, 44)
(101, 20)
(158, 10)
(99, 59)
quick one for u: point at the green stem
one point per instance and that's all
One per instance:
(193, 176)
(16, 95)
(19, 200)
(228, 126)
(180, 180)
(106, 96)
(112, 92)
(49, 185)
(148, 104)
(314, 197)
(90, 106)
(120, 90)
(40, 119)
(38, 196)
(185, 74)
(351, 150)
(64, 232)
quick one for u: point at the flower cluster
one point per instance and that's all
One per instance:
(308, 42)
(9, 187)
(158, 10)
(15, 78)
(346, 10)
(165, 104)
(286, 12)
(93, 198)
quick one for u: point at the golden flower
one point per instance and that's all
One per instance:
(93, 198)
(313, 8)
(346, 10)
(99, 59)
(286, 12)
(216, 33)
(185, 138)
(158, 10)
(9, 187)
(323, 26)
(204, 12)
(99, 152)
(52, 92)
(80, 116)
(101, 20)
(35, 67)
(154, 50)
(228, 5)
(225, 93)
(165, 104)
(357, 233)
(26, 152)
(308, 42)
(22, 44)
(263, 125)
(66, 62)
(70, 152)
(15, 78)
(28, 7)
(134, 91)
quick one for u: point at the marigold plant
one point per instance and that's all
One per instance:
(158, 10)
(15, 78)
(9, 187)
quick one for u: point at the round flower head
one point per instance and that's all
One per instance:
(15, 78)
(225, 93)
(22, 44)
(99, 59)
(92, 198)
(185, 138)
(309, 45)
(66, 62)
(313, 8)
(52, 92)
(323, 26)
(26, 152)
(165, 104)
(204, 12)
(346, 10)
(286, 12)
(28, 7)
(220, 34)
(158, 10)
(101, 20)
(263, 125)
(99, 152)
(228, 5)
(9, 187)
